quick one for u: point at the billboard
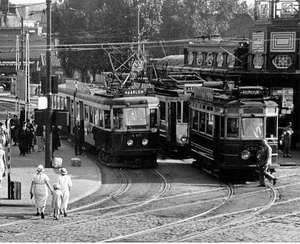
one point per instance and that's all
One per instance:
(21, 84)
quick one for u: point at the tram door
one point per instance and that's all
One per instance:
(172, 121)
(216, 143)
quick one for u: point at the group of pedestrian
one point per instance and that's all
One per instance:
(24, 134)
(60, 192)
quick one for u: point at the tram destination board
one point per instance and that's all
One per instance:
(251, 92)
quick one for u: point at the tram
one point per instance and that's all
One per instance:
(174, 92)
(121, 125)
(227, 127)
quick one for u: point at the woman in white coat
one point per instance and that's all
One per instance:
(65, 183)
(39, 191)
(2, 164)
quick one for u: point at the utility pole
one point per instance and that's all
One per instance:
(48, 132)
(22, 43)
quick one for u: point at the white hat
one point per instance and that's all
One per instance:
(63, 171)
(40, 168)
(56, 186)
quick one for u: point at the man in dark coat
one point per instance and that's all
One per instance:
(23, 139)
(15, 127)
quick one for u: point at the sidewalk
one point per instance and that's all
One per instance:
(86, 178)
(294, 161)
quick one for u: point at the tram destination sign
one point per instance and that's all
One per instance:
(251, 92)
(137, 91)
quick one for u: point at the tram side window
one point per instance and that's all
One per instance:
(107, 119)
(252, 128)
(271, 127)
(153, 118)
(91, 115)
(202, 122)
(195, 119)
(233, 127)
(86, 113)
(77, 110)
(118, 119)
(210, 124)
(101, 118)
(162, 106)
(96, 116)
(222, 126)
(185, 112)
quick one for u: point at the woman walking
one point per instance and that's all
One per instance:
(65, 183)
(2, 164)
(38, 190)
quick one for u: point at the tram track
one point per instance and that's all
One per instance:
(102, 217)
(139, 210)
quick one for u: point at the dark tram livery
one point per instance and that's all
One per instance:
(227, 127)
(121, 125)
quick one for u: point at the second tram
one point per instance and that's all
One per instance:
(227, 127)
(121, 125)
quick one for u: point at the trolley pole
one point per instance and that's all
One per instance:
(48, 132)
(8, 162)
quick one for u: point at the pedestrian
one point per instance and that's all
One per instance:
(65, 183)
(39, 191)
(22, 115)
(286, 140)
(2, 164)
(15, 127)
(55, 138)
(30, 138)
(23, 139)
(3, 135)
(56, 200)
(40, 138)
(264, 163)
(78, 138)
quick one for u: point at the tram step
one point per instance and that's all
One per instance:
(75, 162)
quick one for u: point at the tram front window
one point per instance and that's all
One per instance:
(135, 118)
(252, 128)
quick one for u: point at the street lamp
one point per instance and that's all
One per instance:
(48, 133)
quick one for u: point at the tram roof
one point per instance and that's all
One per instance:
(102, 96)
(233, 97)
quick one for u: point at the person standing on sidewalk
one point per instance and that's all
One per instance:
(23, 139)
(287, 139)
(40, 137)
(39, 191)
(15, 127)
(2, 164)
(65, 183)
(264, 163)
(78, 138)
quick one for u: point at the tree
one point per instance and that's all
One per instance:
(99, 22)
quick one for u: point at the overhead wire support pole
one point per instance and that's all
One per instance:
(48, 125)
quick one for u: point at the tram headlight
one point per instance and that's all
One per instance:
(145, 142)
(130, 143)
(245, 154)
(183, 138)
